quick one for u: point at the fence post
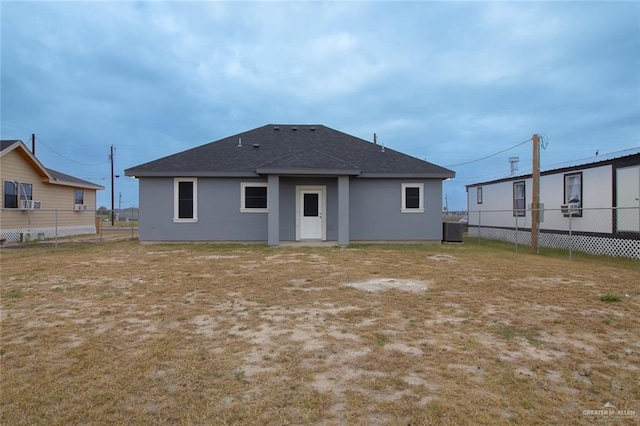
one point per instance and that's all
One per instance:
(56, 227)
(479, 224)
(101, 226)
(132, 224)
(570, 237)
(516, 233)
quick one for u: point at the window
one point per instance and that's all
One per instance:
(26, 191)
(79, 196)
(254, 197)
(412, 198)
(15, 193)
(519, 200)
(10, 194)
(185, 200)
(573, 194)
(573, 188)
(479, 195)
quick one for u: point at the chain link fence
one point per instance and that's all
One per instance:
(599, 231)
(20, 227)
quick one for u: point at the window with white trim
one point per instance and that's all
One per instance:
(412, 198)
(519, 199)
(253, 197)
(10, 192)
(79, 196)
(185, 200)
(15, 192)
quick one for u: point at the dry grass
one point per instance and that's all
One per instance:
(118, 332)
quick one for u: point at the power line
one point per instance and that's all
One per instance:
(489, 156)
(67, 158)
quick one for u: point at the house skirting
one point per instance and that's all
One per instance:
(619, 245)
(44, 232)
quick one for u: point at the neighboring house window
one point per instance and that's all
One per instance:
(15, 193)
(185, 200)
(254, 197)
(412, 197)
(573, 188)
(26, 191)
(10, 194)
(79, 197)
(479, 195)
(519, 199)
(573, 193)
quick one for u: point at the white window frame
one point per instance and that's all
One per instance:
(243, 208)
(176, 201)
(420, 208)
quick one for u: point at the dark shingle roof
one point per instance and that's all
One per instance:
(294, 148)
(4, 144)
(68, 179)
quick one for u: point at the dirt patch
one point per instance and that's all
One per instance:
(381, 284)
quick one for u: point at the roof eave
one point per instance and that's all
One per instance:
(76, 184)
(184, 173)
(307, 171)
(421, 175)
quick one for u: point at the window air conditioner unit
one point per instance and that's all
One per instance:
(571, 209)
(79, 207)
(30, 204)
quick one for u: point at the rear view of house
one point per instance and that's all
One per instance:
(41, 203)
(290, 183)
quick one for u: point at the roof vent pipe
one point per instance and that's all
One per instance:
(375, 139)
(239, 142)
(294, 128)
(276, 128)
(256, 145)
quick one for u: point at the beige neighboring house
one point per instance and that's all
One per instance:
(40, 203)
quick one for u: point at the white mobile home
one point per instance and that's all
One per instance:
(597, 199)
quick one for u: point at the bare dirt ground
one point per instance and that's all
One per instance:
(122, 333)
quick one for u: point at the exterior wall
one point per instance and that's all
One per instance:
(374, 214)
(219, 216)
(597, 192)
(53, 198)
(376, 211)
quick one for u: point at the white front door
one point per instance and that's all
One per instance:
(310, 213)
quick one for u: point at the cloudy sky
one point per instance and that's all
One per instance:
(447, 82)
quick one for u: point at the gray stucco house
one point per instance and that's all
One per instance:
(280, 183)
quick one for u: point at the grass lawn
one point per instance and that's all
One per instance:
(123, 333)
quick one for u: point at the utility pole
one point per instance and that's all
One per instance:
(119, 200)
(112, 190)
(535, 203)
(446, 204)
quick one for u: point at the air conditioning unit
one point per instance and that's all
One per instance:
(452, 232)
(571, 209)
(30, 204)
(79, 207)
